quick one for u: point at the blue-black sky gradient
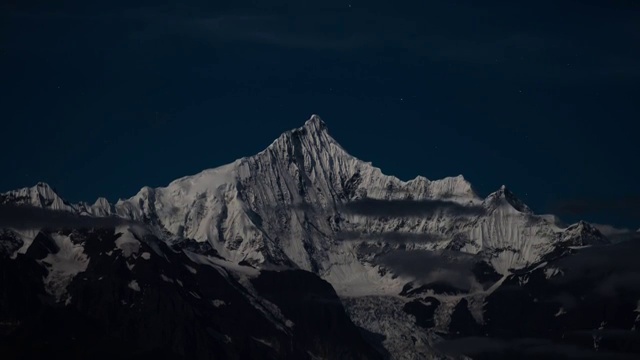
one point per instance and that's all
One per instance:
(543, 96)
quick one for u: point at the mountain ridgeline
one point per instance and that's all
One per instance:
(304, 251)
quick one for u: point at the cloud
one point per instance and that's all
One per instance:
(29, 217)
(524, 348)
(304, 31)
(608, 230)
(621, 237)
(603, 260)
(614, 269)
(397, 237)
(339, 31)
(616, 284)
(532, 52)
(616, 235)
(425, 32)
(628, 206)
(426, 266)
(410, 208)
(274, 30)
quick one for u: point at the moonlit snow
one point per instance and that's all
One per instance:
(289, 206)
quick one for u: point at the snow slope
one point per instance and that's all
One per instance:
(286, 205)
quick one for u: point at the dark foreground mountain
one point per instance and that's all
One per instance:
(582, 306)
(138, 298)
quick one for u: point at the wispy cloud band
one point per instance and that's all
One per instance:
(29, 217)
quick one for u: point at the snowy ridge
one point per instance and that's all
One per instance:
(259, 208)
(68, 261)
(583, 234)
(291, 206)
(285, 207)
(41, 195)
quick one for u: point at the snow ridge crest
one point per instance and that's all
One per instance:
(284, 206)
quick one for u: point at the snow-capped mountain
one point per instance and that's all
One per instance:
(41, 196)
(304, 203)
(288, 204)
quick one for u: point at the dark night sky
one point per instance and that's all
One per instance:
(543, 96)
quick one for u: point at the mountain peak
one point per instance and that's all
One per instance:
(312, 136)
(315, 123)
(504, 192)
(505, 195)
(315, 126)
(582, 233)
(43, 185)
(40, 195)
